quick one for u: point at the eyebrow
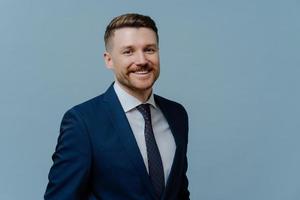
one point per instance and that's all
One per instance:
(131, 46)
(152, 45)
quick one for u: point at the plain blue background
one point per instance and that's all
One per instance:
(234, 64)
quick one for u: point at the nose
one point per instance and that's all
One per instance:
(140, 59)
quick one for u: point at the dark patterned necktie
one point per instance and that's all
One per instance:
(156, 171)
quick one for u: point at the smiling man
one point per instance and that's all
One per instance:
(132, 53)
(128, 143)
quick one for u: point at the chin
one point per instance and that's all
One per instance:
(144, 85)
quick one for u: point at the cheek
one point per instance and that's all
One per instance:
(123, 64)
(121, 69)
(157, 65)
(155, 60)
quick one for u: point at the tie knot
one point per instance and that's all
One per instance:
(144, 110)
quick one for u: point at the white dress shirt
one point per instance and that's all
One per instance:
(162, 133)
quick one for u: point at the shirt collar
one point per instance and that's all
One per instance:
(128, 101)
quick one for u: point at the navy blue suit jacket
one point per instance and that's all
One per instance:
(97, 157)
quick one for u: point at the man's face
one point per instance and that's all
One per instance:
(134, 57)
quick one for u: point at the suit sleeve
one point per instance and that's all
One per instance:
(70, 172)
(184, 193)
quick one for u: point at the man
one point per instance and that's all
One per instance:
(128, 143)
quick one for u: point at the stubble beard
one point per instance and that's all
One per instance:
(132, 87)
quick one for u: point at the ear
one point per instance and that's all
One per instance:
(108, 60)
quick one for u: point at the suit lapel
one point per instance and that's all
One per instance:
(127, 139)
(170, 116)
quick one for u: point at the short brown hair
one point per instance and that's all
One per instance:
(129, 20)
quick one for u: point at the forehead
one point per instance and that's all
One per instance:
(129, 36)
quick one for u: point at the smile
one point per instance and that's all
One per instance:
(142, 72)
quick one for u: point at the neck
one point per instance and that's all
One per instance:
(143, 96)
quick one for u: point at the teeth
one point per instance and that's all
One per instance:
(141, 72)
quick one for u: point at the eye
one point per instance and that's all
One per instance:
(150, 50)
(127, 52)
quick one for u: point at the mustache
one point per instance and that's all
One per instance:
(141, 68)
